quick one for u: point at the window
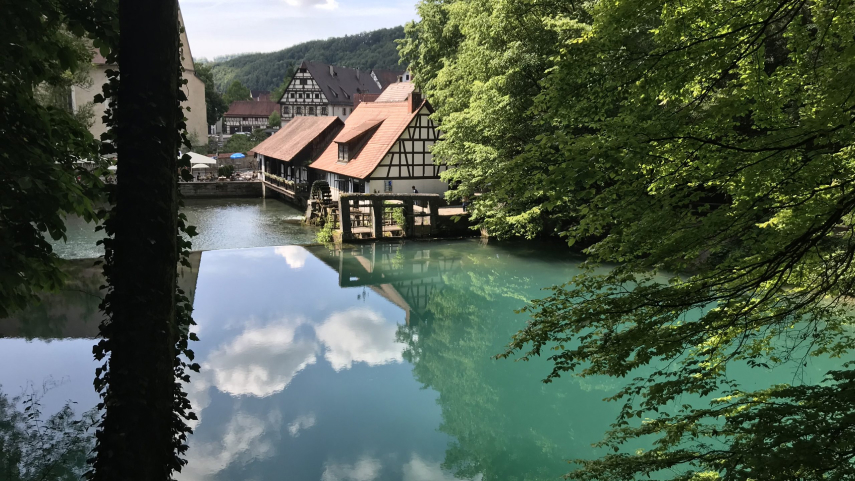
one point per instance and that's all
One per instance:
(299, 96)
(302, 81)
(311, 111)
(342, 152)
(292, 95)
(299, 111)
(286, 110)
(245, 119)
(323, 111)
(317, 96)
(302, 70)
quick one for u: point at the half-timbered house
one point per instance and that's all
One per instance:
(247, 115)
(285, 155)
(319, 90)
(384, 147)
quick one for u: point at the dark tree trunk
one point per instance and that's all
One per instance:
(136, 442)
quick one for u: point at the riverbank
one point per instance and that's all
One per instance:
(220, 190)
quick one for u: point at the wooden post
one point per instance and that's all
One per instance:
(377, 218)
(410, 230)
(433, 205)
(344, 217)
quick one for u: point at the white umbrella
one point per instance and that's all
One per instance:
(113, 168)
(199, 166)
(200, 159)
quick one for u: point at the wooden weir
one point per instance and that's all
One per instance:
(371, 216)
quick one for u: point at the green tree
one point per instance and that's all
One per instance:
(709, 143)
(40, 178)
(244, 143)
(265, 71)
(483, 87)
(278, 92)
(235, 92)
(34, 447)
(275, 120)
(214, 102)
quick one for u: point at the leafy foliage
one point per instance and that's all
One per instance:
(235, 92)
(214, 102)
(266, 71)
(34, 447)
(712, 139)
(483, 82)
(145, 334)
(226, 170)
(41, 142)
(244, 143)
(275, 120)
(277, 93)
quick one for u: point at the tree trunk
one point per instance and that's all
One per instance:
(136, 441)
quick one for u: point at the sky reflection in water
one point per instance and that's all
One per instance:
(371, 363)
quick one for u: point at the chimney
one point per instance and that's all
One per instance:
(415, 100)
(332, 72)
(357, 74)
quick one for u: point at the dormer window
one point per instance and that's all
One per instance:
(342, 153)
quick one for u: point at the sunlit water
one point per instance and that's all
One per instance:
(221, 224)
(370, 363)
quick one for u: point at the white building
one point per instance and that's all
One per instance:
(319, 90)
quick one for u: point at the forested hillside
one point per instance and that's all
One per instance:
(265, 71)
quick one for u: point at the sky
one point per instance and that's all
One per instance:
(224, 27)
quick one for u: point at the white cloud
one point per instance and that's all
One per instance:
(295, 256)
(418, 469)
(242, 441)
(301, 423)
(366, 469)
(325, 4)
(261, 361)
(359, 335)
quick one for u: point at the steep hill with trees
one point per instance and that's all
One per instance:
(265, 71)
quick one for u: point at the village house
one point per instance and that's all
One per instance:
(319, 90)
(285, 156)
(197, 121)
(384, 147)
(247, 115)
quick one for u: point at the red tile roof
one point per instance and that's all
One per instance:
(251, 108)
(397, 92)
(395, 117)
(298, 133)
(353, 131)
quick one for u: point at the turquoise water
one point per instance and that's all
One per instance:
(221, 223)
(373, 362)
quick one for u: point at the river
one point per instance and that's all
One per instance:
(371, 362)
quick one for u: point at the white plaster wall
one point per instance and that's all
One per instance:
(405, 186)
(197, 117)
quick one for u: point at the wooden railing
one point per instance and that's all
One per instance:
(293, 186)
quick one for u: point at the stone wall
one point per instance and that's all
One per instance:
(198, 190)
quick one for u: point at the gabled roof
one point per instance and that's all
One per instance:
(397, 92)
(353, 131)
(340, 87)
(295, 136)
(251, 108)
(395, 117)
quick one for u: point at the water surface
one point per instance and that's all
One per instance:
(221, 224)
(372, 362)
